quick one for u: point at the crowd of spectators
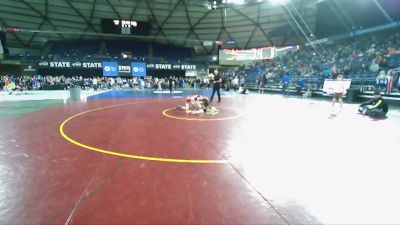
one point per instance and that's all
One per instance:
(99, 83)
(361, 59)
(372, 59)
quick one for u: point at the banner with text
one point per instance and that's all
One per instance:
(124, 68)
(169, 66)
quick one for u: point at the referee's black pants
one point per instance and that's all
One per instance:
(215, 89)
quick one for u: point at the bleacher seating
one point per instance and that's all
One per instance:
(138, 49)
(75, 49)
(358, 58)
(172, 53)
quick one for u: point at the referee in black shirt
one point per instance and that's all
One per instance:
(216, 86)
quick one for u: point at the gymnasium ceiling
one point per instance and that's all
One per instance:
(182, 22)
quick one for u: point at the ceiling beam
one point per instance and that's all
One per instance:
(46, 2)
(255, 23)
(47, 8)
(82, 16)
(223, 26)
(14, 34)
(167, 18)
(284, 40)
(255, 27)
(34, 35)
(90, 18)
(251, 37)
(156, 21)
(42, 16)
(218, 37)
(197, 36)
(114, 10)
(190, 24)
(191, 29)
(134, 9)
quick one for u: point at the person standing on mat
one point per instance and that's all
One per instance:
(216, 85)
(338, 91)
(170, 84)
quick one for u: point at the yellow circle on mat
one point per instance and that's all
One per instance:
(199, 119)
(110, 152)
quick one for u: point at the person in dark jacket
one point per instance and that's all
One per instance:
(216, 86)
(376, 107)
(171, 84)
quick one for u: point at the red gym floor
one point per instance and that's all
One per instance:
(261, 160)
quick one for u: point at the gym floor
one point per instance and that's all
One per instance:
(124, 157)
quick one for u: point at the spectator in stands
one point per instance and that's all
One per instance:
(396, 78)
(81, 83)
(308, 92)
(171, 83)
(94, 83)
(111, 83)
(300, 86)
(119, 82)
(376, 107)
(235, 82)
(242, 79)
(334, 72)
(140, 83)
(374, 66)
(381, 81)
(2, 80)
(326, 73)
(285, 84)
(364, 67)
(206, 82)
(158, 84)
(262, 83)
(6, 81)
(389, 79)
(242, 90)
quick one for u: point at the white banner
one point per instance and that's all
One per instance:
(336, 86)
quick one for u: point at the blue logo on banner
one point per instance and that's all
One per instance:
(139, 69)
(110, 69)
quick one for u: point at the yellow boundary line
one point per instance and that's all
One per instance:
(109, 152)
